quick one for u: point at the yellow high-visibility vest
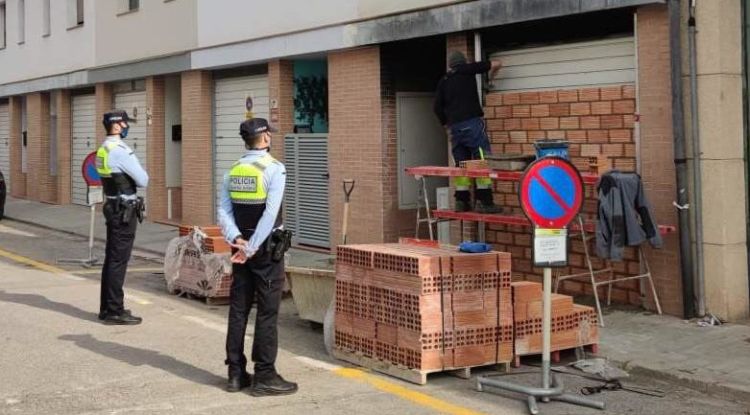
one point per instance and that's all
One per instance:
(246, 181)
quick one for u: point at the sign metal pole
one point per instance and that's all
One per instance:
(551, 196)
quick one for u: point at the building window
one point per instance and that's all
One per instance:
(133, 4)
(21, 21)
(75, 13)
(2, 25)
(128, 6)
(46, 28)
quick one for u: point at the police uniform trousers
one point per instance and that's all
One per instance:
(120, 238)
(262, 280)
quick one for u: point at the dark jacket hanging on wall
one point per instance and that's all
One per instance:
(623, 216)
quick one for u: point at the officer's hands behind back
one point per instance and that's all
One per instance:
(239, 257)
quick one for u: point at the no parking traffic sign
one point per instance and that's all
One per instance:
(551, 197)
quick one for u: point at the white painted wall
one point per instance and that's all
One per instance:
(157, 28)
(172, 116)
(63, 51)
(237, 18)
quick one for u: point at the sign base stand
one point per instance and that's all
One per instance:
(552, 388)
(91, 260)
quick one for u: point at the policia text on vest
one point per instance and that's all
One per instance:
(121, 174)
(250, 217)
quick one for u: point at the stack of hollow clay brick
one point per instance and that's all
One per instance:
(573, 325)
(409, 310)
(214, 241)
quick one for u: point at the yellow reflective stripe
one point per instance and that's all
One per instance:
(246, 184)
(102, 159)
(463, 181)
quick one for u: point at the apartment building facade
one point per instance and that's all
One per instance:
(350, 85)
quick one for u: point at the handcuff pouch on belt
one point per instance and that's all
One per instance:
(281, 241)
(132, 209)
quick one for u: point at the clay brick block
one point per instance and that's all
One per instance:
(576, 136)
(613, 150)
(629, 150)
(555, 135)
(530, 124)
(628, 92)
(529, 97)
(541, 110)
(495, 125)
(611, 93)
(598, 136)
(591, 123)
(513, 98)
(567, 95)
(580, 108)
(526, 291)
(521, 111)
(628, 121)
(569, 123)
(601, 108)
(590, 150)
(536, 135)
(474, 356)
(494, 99)
(386, 333)
(559, 110)
(611, 121)
(626, 106)
(505, 111)
(518, 136)
(512, 124)
(548, 97)
(620, 135)
(489, 112)
(549, 123)
(588, 94)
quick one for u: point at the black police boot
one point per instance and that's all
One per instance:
(484, 202)
(237, 382)
(121, 319)
(272, 386)
(103, 315)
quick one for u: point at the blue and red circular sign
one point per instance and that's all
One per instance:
(88, 169)
(551, 192)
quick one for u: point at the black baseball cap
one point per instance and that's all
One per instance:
(255, 126)
(115, 116)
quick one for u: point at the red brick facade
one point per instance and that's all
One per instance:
(197, 148)
(64, 143)
(40, 185)
(157, 195)
(281, 93)
(17, 177)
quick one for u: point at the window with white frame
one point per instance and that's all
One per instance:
(21, 21)
(75, 13)
(3, 25)
(46, 23)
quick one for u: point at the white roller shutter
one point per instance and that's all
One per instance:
(135, 104)
(230, 95)
(84, 142)
(5, 144)
(306, 199)
(572, 65)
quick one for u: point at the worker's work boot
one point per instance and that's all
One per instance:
(487, 208)
(462, 206)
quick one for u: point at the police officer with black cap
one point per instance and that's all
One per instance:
(121, 174)
(250, 218)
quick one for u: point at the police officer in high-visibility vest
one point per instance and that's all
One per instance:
(121, 174)
(250, 218)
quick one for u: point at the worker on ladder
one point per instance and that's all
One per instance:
(458, 107)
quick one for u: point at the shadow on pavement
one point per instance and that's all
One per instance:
(136, 356)
(44, 303)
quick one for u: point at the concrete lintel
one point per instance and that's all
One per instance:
(142, 69)
(65, 81)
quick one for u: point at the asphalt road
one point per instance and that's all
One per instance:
(56, 358)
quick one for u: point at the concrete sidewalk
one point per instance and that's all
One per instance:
(715, 360)
(151, 237)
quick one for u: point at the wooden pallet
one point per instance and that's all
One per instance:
(195, 296)
(416, 376)
(554, 355)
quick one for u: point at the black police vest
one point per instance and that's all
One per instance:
(118, 184)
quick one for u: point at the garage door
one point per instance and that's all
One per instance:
(5, 143)
(84, 142)
(135, 104)
(572, 65)
(230, 95)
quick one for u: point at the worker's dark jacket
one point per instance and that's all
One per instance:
(623, 216)
(456, 98)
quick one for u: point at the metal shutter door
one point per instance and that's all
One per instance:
(229, 111)
(5, 144)
(306, 199)
(135, 104)
(84, 142)
(573, 65)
